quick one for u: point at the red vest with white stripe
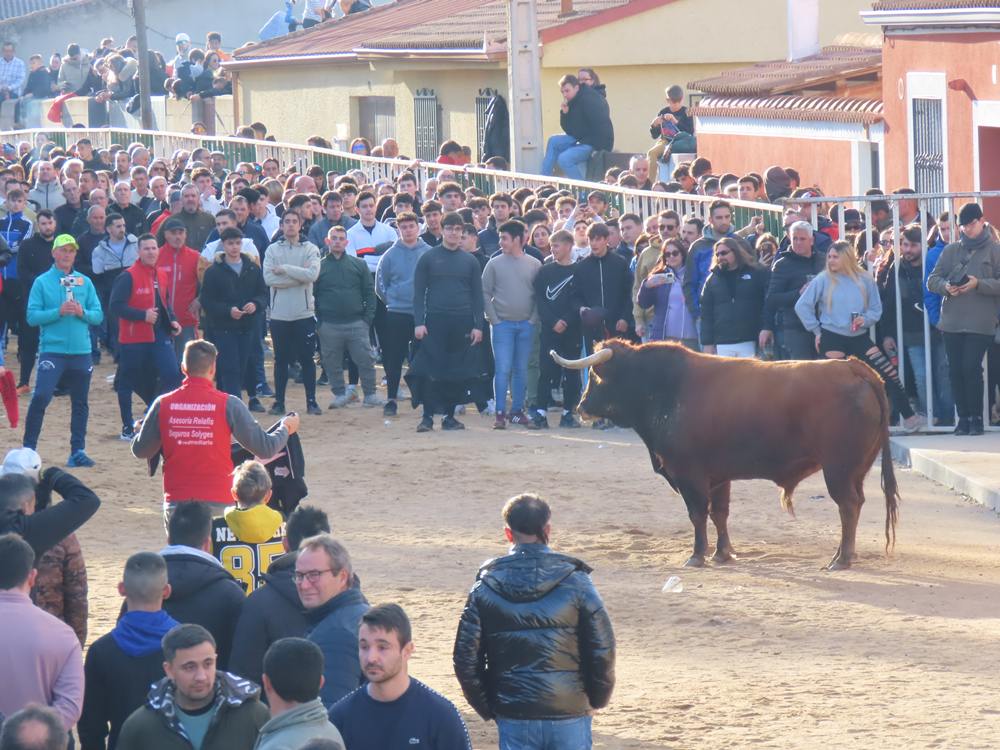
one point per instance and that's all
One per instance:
(143, 297)
(197, 463)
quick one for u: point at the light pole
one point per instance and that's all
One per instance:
(524, 73)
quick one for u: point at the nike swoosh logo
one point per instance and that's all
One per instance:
(552, 292)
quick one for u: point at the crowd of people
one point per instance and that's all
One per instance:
(251, 630)
(185, 269)
(344, 272)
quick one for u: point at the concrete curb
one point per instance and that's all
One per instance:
(952, 462)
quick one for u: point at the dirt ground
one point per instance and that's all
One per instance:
(768, 652)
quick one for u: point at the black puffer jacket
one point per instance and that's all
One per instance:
(535, 641)
(588, 119)
(204, 593)
(271, 612)
(732, 305)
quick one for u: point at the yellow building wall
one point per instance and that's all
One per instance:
(296, 102)
(635, 95)
(637, 57)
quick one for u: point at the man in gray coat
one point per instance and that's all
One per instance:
(293, 674)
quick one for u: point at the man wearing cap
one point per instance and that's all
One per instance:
(19, 513)
(64, 304)
(180, 263)
(199, 224)
(967, 276)
(183, 42)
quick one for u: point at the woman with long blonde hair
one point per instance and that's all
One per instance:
(840, 306)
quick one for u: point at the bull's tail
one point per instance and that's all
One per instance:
(890, 488)
(785, 498)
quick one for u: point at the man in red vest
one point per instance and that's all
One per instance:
(144, 334)
(181, 264)
(195, 425)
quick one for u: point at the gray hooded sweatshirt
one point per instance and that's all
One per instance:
(296, 727)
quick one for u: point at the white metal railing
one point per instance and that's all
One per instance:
(163, 144)
(926, 202)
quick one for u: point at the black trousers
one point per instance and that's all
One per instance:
(965, 366)
(551, 375)
(294, 341)
(859, 346)
(398, 335)
(797, 344)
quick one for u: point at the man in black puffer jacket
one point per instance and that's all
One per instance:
(202, 592)
(732, 302)
(586, 123)
(535, 649)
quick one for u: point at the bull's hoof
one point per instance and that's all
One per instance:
(723, 556)
(695, 561)
(839, 563)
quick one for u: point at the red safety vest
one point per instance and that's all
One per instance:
(143, 298)
(181, 267)
(197, 463)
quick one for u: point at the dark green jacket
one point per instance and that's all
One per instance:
(235, 726)
(344, 291)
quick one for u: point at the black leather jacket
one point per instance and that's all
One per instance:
(535, 641)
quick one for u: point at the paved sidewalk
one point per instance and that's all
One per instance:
(970, 465)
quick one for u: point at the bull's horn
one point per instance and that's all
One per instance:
(599, 357)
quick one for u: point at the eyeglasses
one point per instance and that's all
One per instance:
(672, 254)
(668, 227)
(310, 575)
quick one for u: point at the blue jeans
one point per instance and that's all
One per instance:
(138, 364)
(570, 155)
(944, 405)
(512, 341)
(51, 367)
(544, 734)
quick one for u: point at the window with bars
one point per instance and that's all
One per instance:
(376, 118)
(928, 148)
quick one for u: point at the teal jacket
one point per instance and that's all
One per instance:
(63, 334)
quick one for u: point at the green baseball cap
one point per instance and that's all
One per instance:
(63, 240)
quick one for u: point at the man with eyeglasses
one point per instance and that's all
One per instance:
(323, 575)
(667, 227)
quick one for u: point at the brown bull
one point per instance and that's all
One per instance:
(708, 420)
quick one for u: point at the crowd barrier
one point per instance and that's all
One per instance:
(642, 202)
(930, 206)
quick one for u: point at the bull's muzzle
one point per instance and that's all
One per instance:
(599, 357)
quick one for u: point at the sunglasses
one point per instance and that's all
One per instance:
(668, 227)
(672, 254)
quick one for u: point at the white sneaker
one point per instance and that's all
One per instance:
(339, 402)
(352, 394)
(372, 399)
(491, 407)
(914, 423)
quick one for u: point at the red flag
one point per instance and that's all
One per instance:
(8, 394)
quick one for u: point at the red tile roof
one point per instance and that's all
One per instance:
(812, 108)
(780, 77)
(423, 26)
